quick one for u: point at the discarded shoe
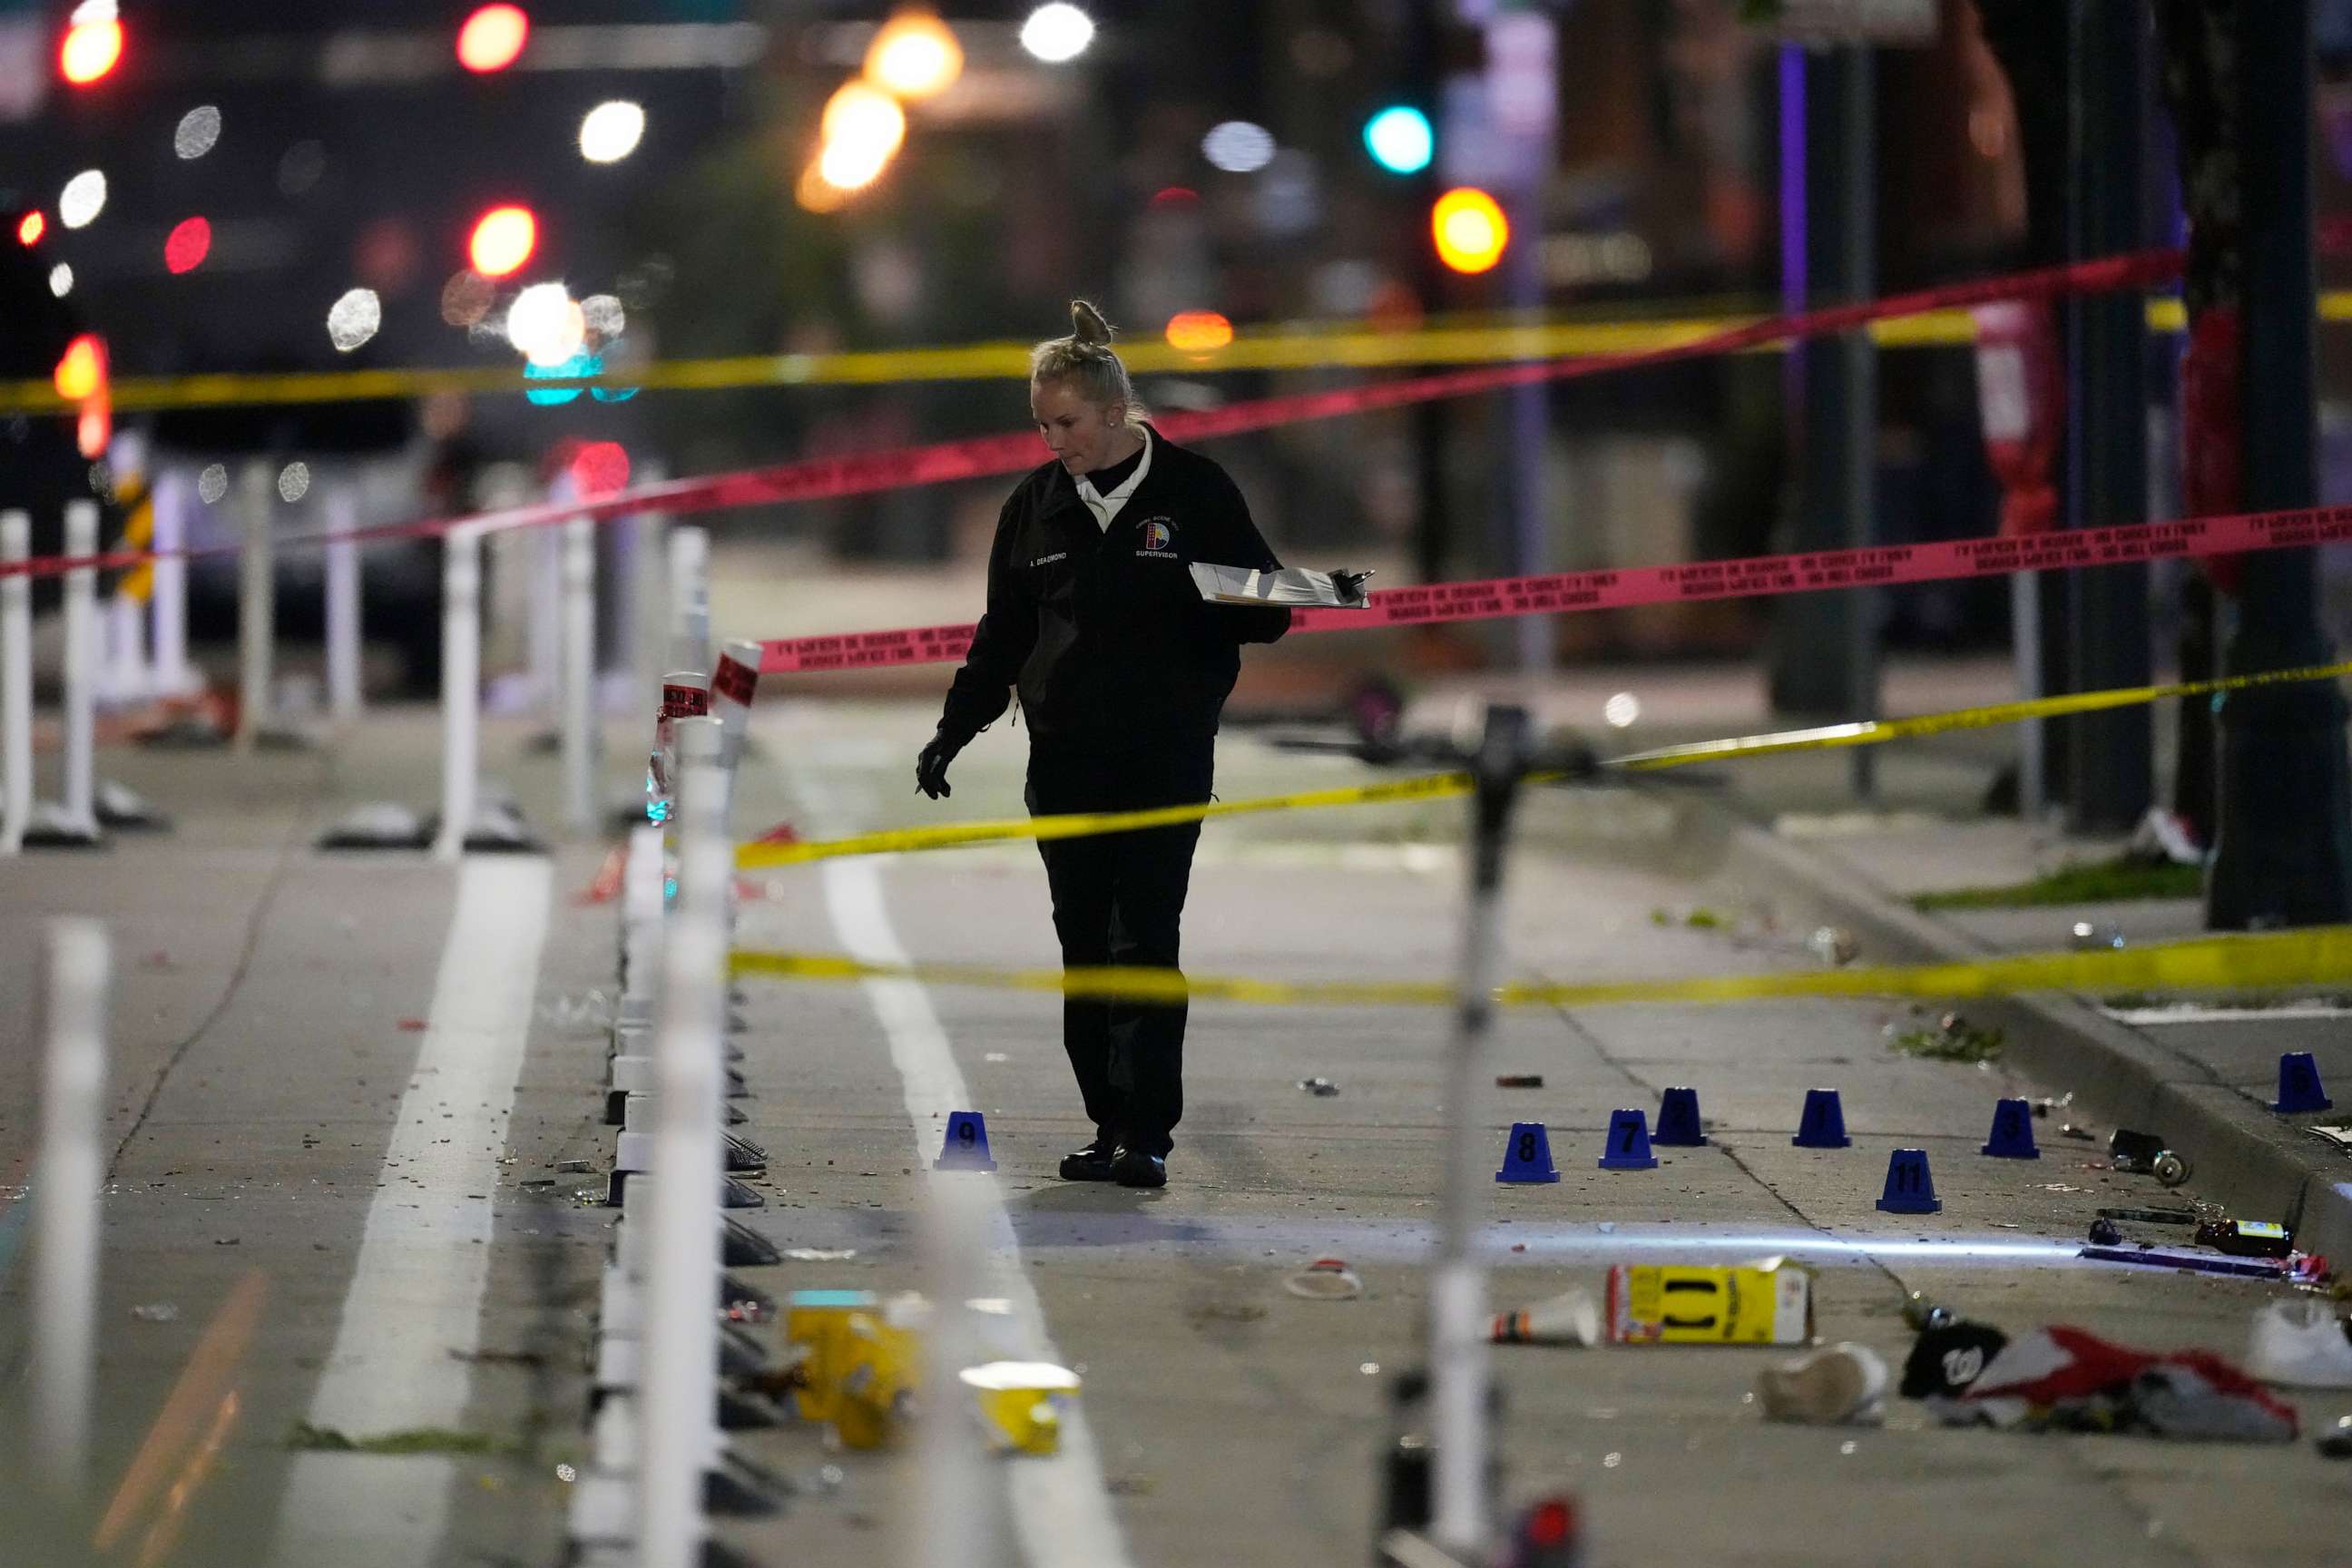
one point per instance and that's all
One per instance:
(1091, 1164)
(2300, 1344)
(1841, 1385)
(1134, 1168)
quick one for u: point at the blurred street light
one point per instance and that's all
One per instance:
(503, 240)
(862, 128)
(354, 319)
(914, 55)
(93, 44)
(1470, 229)
(547, 324)
(1198, 331)
(492, 39)
(1400, 140)
(61, 281)
(611, 132)
(1057, 33)
(1238, 147)
(82, 200)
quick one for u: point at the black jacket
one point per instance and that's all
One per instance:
(1106, 633)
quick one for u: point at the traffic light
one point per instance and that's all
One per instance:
(1400, 140)
(503, 240)
(81, 378)
(1470, 229)
(492, 39)
(93, 44)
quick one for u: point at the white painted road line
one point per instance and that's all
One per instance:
(1060, 1507)
(417, 1294)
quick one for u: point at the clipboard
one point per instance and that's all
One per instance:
(1287, 588)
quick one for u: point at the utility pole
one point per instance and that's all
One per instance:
(2284, 855)
(1826, 645)
(2111, 782)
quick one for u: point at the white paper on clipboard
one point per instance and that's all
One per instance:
(1291, 586)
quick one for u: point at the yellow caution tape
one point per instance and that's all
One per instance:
(1290, 350)
(1438, 787)
(1878, 732)
(2321, 956)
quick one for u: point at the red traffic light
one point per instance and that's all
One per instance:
(493, 38)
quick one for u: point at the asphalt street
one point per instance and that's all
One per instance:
(290, 1028)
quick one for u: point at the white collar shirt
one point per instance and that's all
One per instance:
(1105, 508)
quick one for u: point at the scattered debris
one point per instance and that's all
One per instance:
(1518, 1081)
(157, 1312)
(2103, 1232)
(2246, 1237)
(995, 1057)
(410, 1026)
(2148, 1217)
(1325, 1279)
(498, 1358)
(2294, 1267)
(1842, 1386)
(226, 1240)
(1948, 1356)
(1022, 1402)
(575, 1167)
(2300, 1344)
(1571, 1318)
(1320, 1088)
(2066, 1379)
(2087, 937)
(591, 1009)
(1923, 1314)
(1766, 1302)
(1132, 1485)
(1953, 1040)
(2335, 1442)
(2147, 1155)
(305, 1438)
(820, 1253)
(2061, 1187)
(2049, 1104)
(1834, 945)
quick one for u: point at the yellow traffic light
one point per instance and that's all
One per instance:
(1470, 229)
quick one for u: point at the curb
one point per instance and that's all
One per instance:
(2244, 1156)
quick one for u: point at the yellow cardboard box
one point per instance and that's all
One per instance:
(1698, 1304)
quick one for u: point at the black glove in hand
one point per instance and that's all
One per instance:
(931, 766)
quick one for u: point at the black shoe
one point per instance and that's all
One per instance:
(1134, 1168)
(1092, 1164)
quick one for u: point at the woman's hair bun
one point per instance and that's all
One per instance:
(1086, 323)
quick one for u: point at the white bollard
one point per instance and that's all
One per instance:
(461, 685)
(256, 604)
(681, 1343)
(689, 598)
(175, 496)
(79, 809)
(67, 1190)
(343, 631)
(577, 709)
(16, 683)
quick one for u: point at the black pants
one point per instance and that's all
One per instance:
(1119, 899)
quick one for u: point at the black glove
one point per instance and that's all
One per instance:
(931, 765)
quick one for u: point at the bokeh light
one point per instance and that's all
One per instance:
(817, 194)
(93, 44)
(1057, 32)
(1621, 711)
(862, 128)
(599, 467)
(198, 130)
(493, 38)
(82, 200)
(186, 247)
(61, 281)
(466, 298)
(30, 227)
(212, 484)
(1470, 229)
(915, 54)
(1175, 196)
(546, 325)
(503, 240)
(1400, 140)
(82, 369)
(1238, 147)
(611, 132)
(1198, 332)
(582, 363)
(605, 315)
(293, 481)
(355, 317)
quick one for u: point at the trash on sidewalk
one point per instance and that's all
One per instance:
(2087, 937)
(1923, 1314)
(2246, 1237)
(2295, 1267)
(1571, 1318)
(1948, 1357)
(1769, 1301)
(1842, 1385)
(2151, 1216)
(2339, 1136)
(2061, 1378)
(1325, 1279)
(881, 1372)
(2335, 1442)
(2166, 835)
(1698, 918)
(1022, 1402)
(1953, 1040)
(820, 1253)
(2300, 1344)
(157, 1312)
(1320, 1088)
(1518, 1081)
(2147, 1155)
(1834, 945)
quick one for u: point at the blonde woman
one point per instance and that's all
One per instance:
(1122, 670)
